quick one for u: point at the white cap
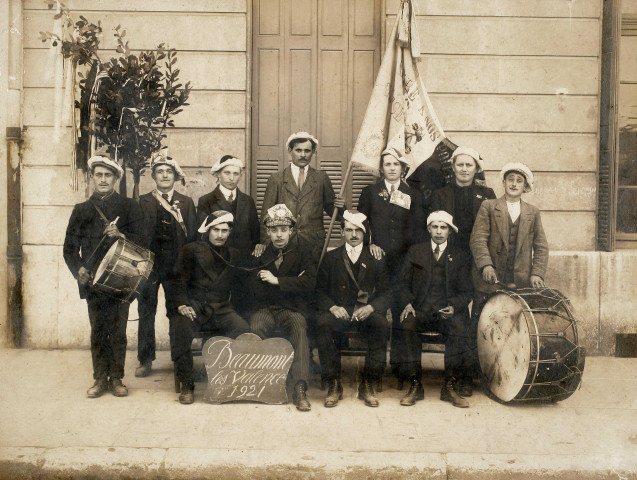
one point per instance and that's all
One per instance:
(104, 160)
(519, 168)
(161, 158)
(356, 218)
(302, 135)
(279, 215)
(394, 153)
(226, 161)
(215, 218)
(471, 153)
(441, 216)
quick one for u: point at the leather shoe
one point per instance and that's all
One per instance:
(334, 393)
(448, 394)
(98, 389)
(366, 393)
(300, 397)
(465, 387)
(118, 388)
(187, 395)
(416, 392)
(144, 369)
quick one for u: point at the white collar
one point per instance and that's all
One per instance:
(443, 246)
(170, 194)
(296, 170)
(357, 249)
(227, 192)
(388, 185)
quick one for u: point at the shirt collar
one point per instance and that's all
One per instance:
(443, 246)
(357, 249)
(227, 192)
(170, 194)
(104, 197)
(388, 185)
(296, 170)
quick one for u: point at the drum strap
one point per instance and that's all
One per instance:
(101, 214)
(173, 210)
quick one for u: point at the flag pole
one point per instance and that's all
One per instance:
(334, 213)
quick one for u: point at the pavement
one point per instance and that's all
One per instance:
(51, 430)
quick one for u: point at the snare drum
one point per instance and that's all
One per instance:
(123, 270)
(528, 345)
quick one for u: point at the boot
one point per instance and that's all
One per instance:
(187, 395)
(465, 386)
(98, 389)
(448, 394)
(416, 392)
(144, 369)
(366, 393)
(118, 388)
(334, 393)
(300, 397)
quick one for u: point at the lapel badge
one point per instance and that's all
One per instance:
(384, 194)
(363, 265)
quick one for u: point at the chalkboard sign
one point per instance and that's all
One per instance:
(248, 369)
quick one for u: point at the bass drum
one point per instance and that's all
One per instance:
(123, 270)
(528, 346)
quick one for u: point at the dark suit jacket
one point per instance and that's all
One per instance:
(417, 272)
(86, 226)
(196, 282)
(394, 228)
(307, 205)
(186, 206)
(490, 244)
(297, 279)
(245, 233)
(334, 285)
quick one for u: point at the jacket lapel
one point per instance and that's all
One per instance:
(524, 226)
(502, 220)
(289, 183)
(310, 182)
(242, 205)
(365, 261)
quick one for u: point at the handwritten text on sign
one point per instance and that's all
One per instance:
(247, 368)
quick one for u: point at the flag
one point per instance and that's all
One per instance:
(400, 114)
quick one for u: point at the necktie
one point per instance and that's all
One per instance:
(437, 252)
(165, 196)
(393, 189)
(230, 197)
(353, 256)
(301, 177)
(279, 259)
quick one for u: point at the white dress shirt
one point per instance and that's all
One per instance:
(170, 195)
(442, 247)
(353, 252)
(227, 193)
(514, 210)
(389, 185)
(295, 172)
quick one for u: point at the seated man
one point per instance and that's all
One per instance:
(203, 277)
(353, 292)
(280, 287)
(435, 290)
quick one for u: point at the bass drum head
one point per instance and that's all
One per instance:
(101, 269)
(504, 346)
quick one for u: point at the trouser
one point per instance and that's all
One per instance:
(108, 317)
(330, 330)
(479, 301)
(228, 324)
(147, 309)
(294, 327)
(456, 333)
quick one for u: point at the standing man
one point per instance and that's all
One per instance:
(171, 222)
(281, 289)
(396, 214)
(305, 191)
(353, 292)
(435, 292)
(93, 227)
(203, 277)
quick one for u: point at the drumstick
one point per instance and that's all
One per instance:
(114, 222)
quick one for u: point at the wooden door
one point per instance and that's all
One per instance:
(314, 66)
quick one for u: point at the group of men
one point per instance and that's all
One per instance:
(224, 270)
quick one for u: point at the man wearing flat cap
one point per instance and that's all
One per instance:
(508, 241)
(171, 222)
(93, 227)
(435, 292)
(353, 293)
(204, 273)
(307, 192)
(284, 277)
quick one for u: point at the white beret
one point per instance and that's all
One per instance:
(394, 153)
(355, 218)
(162, 159)
(519, 168)
(441, 216)
(279, 215)
(231, 161)
(301, 135)
(470, 152)
(102, 159)
(215, 218)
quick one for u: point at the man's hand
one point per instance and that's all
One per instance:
(83, 276)
(339, 312)
(377, 252)
(268, 277)
(446, 312)
(339, 202)
(259, 248)
(488, 274)
(409, 310)
(536, 281)
(187, 311)
(112, 231)
(361, 314)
